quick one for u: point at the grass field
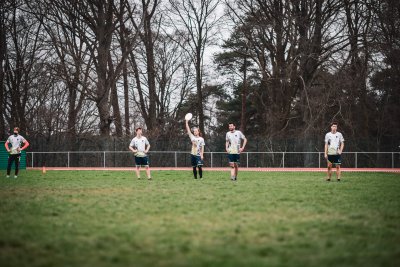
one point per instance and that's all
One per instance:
(109, 218)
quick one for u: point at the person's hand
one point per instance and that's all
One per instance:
(340, 152)
(241, 149)
(326, 156)
(202, 157)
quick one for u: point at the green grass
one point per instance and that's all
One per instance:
(102, 218)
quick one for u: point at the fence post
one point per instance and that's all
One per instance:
(247, 159)
(356, 158)
(319, 160)
(283, 159)
(176, 159)
(32, 159)
(211, 159)
(392, 160)
(68, 159)
(104, 159)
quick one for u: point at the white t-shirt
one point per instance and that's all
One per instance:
(140, 145)
(197, 143)
(234, 139)
(334, 140)
(15, 142)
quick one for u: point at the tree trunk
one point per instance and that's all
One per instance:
(244, 97)
(149, 46)
(116, 112)
(3, 52)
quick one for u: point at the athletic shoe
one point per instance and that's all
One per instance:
(328, 180)
(149, 179)
(15, 177)
(338, 180)
(8, 176)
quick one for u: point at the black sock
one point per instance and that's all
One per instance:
(195, 172)
(200, 172)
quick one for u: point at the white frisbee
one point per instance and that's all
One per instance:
(188, 116)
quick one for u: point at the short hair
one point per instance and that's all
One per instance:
(334, 123)
(232, 123)
(16, 128)
(138, 128)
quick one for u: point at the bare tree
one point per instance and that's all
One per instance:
(198, 19)
(21, 63)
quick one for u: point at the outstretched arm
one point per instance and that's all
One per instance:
(188, 128)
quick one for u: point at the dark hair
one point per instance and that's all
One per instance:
(334, 123)
(138, 128)
(232, 123)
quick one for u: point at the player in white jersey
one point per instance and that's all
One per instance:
(234, 147)
(15, 141)
(334, 144)
(197, 152)
(140, 146)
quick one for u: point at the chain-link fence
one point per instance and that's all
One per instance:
(111, 159)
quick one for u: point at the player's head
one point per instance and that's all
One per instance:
(196, 131)
(334, 126)
(139, 131)
(231, 126)
(16, 130)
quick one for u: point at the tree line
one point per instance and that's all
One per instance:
(283, 69)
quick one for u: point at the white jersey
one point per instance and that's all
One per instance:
(334, 140)
(15, 142)
(234, 139)
(197, 144)
(140, 145)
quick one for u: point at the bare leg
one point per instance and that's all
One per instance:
(232, 170)
(236, 170)
(148, 172)
(329, 171)
(338, 172)
(138, 172)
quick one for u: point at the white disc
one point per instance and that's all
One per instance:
(188, 116)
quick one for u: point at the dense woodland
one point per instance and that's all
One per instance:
(78, 75)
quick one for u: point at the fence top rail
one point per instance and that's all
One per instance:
(210, 152)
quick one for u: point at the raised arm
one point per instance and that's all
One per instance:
(189, 132)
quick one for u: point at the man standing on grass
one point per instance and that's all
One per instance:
(334, 144)
(234, 148)
(197, 152)
(16, 141)
(140, 146)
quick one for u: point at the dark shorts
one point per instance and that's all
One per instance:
(142, 161)
(335, 159)
(234, 158)
(196, 161)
